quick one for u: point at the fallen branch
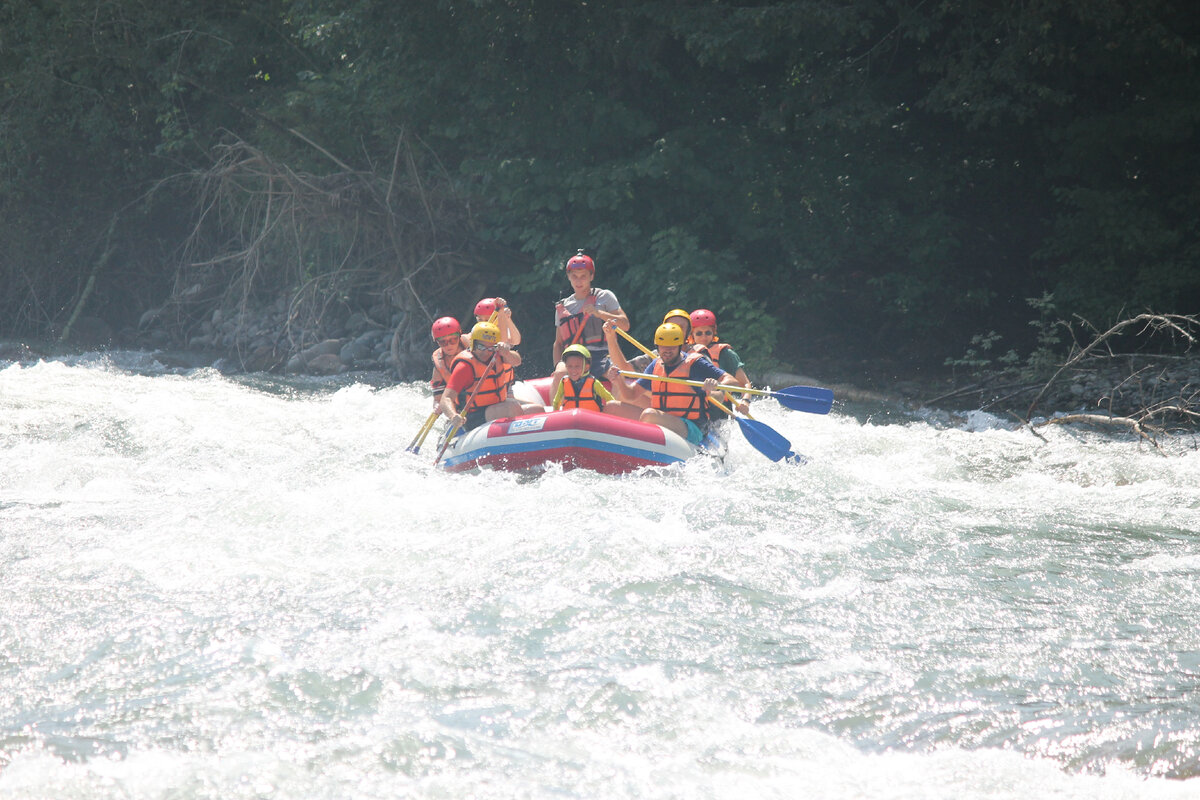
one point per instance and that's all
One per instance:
(1102, 420)
(1155, 323)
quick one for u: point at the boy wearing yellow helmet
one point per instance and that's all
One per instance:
(484, 373)
(580, 389)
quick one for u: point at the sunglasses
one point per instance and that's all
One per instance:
(699, 332)
(487, 348)
(448, 339)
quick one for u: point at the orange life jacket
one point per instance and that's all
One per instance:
(582, 397)
(688, 402)
(570, 325)
(493, 387)
(442, 368)
(712, 352)
(441, 371)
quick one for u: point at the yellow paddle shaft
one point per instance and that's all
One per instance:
(647, 351)
(725, 387)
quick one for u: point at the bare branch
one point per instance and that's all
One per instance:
(1152, 323)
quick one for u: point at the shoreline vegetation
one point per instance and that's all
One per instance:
(1141, 376)
(863, 179)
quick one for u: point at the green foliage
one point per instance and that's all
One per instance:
(1044, 357)
(978, 354)
(869, 176)
(1047, 355)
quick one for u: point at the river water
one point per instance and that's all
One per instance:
(216, 587)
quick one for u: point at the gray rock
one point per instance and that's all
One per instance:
(354, 352)
(326, 364)
(327, 347)
(149, 316)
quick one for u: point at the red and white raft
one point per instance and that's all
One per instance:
(577, 439)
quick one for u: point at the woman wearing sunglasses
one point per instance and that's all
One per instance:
(708, 344)
(451, 341)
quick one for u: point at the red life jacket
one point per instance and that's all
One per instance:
(677, 399)
(583, 397)
(570, 325)
(493, 388)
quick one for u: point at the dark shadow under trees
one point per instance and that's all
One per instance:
(298, 252)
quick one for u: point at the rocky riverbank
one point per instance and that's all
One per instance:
(1157, 388)
(265, 340)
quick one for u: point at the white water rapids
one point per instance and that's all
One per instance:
(218, 587)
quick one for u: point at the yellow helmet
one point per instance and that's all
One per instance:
(678, 312)
(486, 332)
(578, 350)
(669, 335)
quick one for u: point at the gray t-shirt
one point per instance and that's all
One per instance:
(569, 315)
(605, 301)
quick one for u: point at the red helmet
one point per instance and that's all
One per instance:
(702, 318)
(445, 326)
(580, 261)
(485, 307)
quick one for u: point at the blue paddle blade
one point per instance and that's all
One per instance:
(813, 399)
(764, 438)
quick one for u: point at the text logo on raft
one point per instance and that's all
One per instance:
(526, 425)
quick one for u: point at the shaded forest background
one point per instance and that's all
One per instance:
(854, 180)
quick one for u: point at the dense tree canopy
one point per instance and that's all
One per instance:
(868, 176)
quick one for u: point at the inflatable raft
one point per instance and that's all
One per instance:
(576, 439)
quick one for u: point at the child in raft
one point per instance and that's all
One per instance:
(580, 389)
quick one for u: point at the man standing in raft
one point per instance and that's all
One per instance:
(676, 406)
(484, 373)
(579, 318)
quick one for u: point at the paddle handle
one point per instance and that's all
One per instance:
(725, 388)
(722, 406)
(449, 438)
(419, 439)
(636, 344)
